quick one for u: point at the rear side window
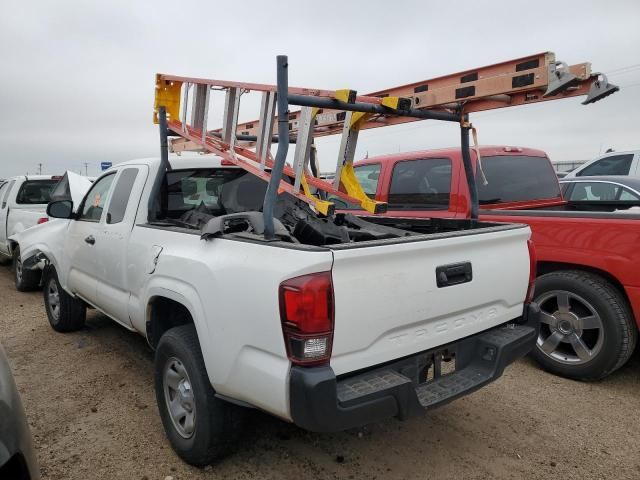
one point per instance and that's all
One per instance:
(613, 165)
(516, 178)
(121, 194)
(628, 195)
(34, 192)
(421, 184)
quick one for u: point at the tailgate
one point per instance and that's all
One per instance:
(388, 303)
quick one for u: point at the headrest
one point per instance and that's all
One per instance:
(212, 187)
(250, 193)
(601, 190)
(189, 187)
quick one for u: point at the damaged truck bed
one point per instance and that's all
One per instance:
(296, 222)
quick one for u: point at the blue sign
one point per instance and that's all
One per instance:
(105, 165)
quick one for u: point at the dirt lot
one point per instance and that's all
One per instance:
(90, 401)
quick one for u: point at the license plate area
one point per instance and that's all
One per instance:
(441, 364)
(428, 366)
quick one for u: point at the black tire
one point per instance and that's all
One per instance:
(25, 280)
(65, 313)
(613, 340)
(217, 423)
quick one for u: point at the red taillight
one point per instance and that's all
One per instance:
(532, 271)
(306, 312)
(43, 220)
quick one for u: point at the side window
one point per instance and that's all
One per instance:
(417, 184)
(368, 176)
(121, 194)
(594, 191)
(628, 195)
(613, 165)
(96, 199)
(6, 193)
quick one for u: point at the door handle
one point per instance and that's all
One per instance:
(90, 240)
(455, 274)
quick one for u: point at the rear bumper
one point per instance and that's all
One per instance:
(320, 402)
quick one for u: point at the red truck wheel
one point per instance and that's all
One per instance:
(587, 329)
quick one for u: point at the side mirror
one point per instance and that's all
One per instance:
(60, 209)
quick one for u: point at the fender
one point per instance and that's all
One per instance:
(185, 294)
(46, 239)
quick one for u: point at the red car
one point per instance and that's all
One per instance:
(588, 262)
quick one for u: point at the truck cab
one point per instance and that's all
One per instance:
(431, 184)
(612, 163)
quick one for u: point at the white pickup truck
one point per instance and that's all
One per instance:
(25, 218)
(23, 201)
(336, 323)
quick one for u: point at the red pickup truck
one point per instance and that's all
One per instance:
(588, 262)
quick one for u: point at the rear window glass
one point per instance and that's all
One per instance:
(421, 184)
(213, 191)
(35, 192)
(516, 178)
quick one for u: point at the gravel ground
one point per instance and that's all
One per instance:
(90, 402)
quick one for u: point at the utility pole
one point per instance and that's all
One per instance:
(40, 169)
(86, 166)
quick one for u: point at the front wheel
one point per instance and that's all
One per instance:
(25, 279)
(586, 327)
(201, 427)
(65, 313)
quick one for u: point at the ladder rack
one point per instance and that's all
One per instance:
(532, 79)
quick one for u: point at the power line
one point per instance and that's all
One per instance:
(621, 69)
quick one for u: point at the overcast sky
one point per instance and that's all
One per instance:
(77, 77)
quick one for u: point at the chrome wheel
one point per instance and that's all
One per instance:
(571, 330)
(53, 299)
(178, 395)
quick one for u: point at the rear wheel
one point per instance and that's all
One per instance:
(25, 279)
(65, 313)
(201, 427)
(587, 329)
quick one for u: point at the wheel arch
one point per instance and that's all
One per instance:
(550, 267)
(163, 313)
(12, 245)
(180, 299)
